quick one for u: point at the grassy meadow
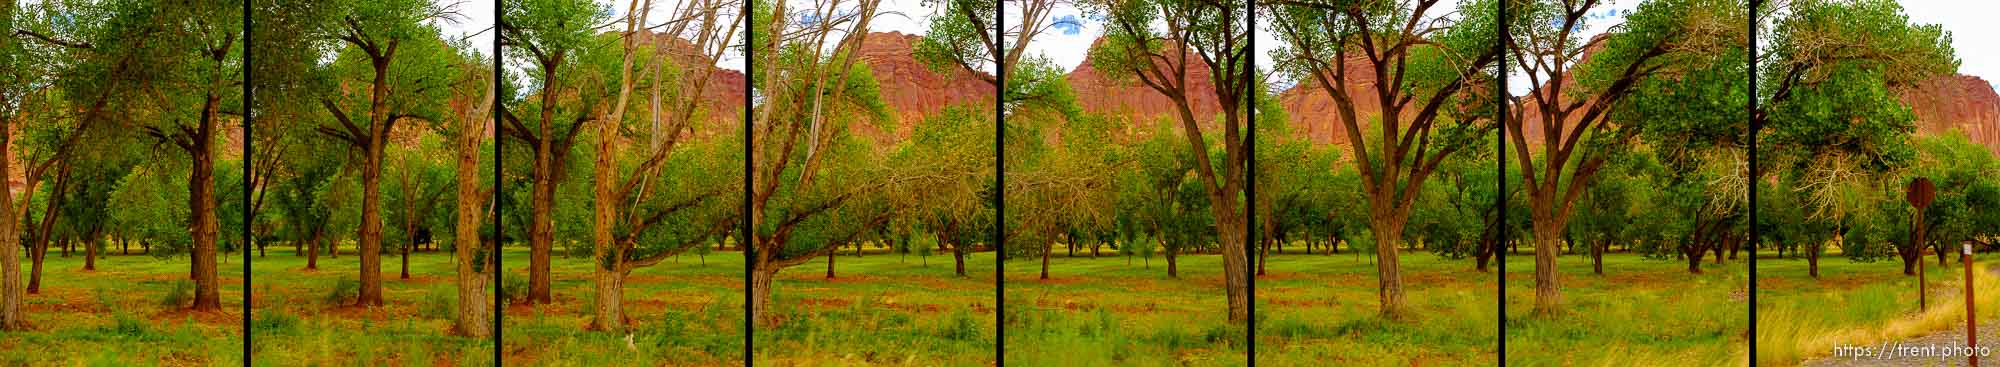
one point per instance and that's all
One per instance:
(1641, 312)
(1323, 310)
(1857, 304)
(307, 317)
(118, 315)
(684, 313)
(882, 309)
(1114, 310)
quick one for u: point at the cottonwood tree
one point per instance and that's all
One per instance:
(1829, 116)
(680, 186)
(818, 187)
(1576, 91)
(472, 106)
(1195, 35)
(372, 66)
(547, 34)
(1417, 52)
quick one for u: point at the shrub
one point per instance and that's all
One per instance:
(440, 304)
(343, 291)
(513, 288)
(275, 322)
(180, 295)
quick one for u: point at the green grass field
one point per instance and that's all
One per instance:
(882, 310)
(1106, 311)
(1855, 303)
(116, 315)
(684, 313)
(1641, 312)
(297, 322)
(1324, 310)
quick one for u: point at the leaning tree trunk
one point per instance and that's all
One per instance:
(1045, 261)
(474, 316)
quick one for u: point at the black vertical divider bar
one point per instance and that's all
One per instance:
(1000, 184)
(249, 103)
(1500, 168)
(743, 242)
(1754, 127)
(499, 10)
(1251, 88)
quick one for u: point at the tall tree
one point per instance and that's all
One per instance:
(1211, 35)
(392, 48)
(1576, 91)
(1440, 59)
(548, 33)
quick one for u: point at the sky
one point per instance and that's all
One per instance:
(476, 20)
(1972, 31)
(1066, 45)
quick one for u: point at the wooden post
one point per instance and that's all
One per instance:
(1971, 318)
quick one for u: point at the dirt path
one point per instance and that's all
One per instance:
(1935, 349)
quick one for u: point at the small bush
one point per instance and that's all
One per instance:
(275, 322)
(343, 291)
(513, 288)
(181, 295)
(962, 327)
(124, 324)
(440, 304)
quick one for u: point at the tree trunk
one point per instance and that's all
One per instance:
(541, 227)
(1548, 294)
(35, 271)
(829, 264)
(1045, 262)
(312, 252)
(760, 294)
(610, 315)
(1173, 263)
(10, 259)
(1597, 257)
(958, 257)
(1262, 253)
(371, 227)
(474, 316)
(1812, 261)
(201, 198)
(409, 221)
(89, 256)
(1388, 267)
